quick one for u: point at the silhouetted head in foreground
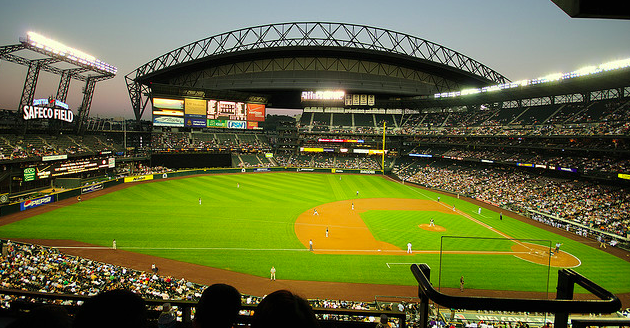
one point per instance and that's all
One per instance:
(284, 309)
(115, 308)
(218, 307)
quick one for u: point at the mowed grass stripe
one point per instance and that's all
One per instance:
(289, 192)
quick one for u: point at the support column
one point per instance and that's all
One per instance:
(30, 84)
(564, 292)
(64, 85)
(424, 299)
(84, 110)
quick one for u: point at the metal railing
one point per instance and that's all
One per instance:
(561, 306)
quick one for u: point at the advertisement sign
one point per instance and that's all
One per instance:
(193, 122)
(168, 121)
(92, 188)
(368, 172)
(54, 158)
(139, 178)
(195, 106)
(29, 174)
(36, 112)
(31, 203)
(168, 103)
(217, 123)
(623, 176)
(236, 125)
(255, 112)
(341, 140)
(44, 171)
(168, 112)
(312, 150)
(50, 102)
(253, 126)
(329, 95)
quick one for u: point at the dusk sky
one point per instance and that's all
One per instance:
(519, 39)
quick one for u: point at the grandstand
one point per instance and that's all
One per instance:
(554, 155)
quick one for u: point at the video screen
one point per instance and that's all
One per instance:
(226, 110)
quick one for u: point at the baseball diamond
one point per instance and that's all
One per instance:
(163, 219)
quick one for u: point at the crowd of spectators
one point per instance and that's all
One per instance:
(44, 269)
(183, 141)
(597, 206)
(608, 117)
(582, 155)
(33, 146)
(252, 160)
(328, 161)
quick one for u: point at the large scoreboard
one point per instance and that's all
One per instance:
(207, 113)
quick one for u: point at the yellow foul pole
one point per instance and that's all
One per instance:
(383, 161)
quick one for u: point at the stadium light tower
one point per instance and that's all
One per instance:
(85, 68)
(79, 58)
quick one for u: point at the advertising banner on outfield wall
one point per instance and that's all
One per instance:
(139, 178)
(31, 203)
(92, 188)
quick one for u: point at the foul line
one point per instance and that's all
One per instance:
(186, 248)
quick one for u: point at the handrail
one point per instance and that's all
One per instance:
(609, 302)
(186, 306)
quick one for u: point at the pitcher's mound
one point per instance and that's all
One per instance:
(433, 228)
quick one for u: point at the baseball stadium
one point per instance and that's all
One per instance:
(415, 182)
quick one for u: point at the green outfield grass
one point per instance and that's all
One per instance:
(250, 228)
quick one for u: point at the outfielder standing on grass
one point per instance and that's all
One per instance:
(461, 283)
(273, 273)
